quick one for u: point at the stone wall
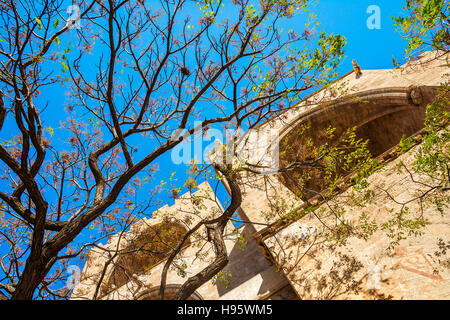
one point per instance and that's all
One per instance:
(417, 268)
(384, 117)
(252, 275)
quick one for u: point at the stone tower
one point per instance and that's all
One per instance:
(284, 258)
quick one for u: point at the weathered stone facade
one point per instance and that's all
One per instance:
(414, 269)
(291, 259)
(253, 276)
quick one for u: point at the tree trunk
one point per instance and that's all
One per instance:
(32, 275)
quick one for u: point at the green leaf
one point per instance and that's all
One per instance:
(39, 23)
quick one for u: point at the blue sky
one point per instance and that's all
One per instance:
(373, 49)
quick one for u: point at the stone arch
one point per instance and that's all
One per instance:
(381, 116)
(143, 251)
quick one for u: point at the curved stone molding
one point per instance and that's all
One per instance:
(386, 98)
